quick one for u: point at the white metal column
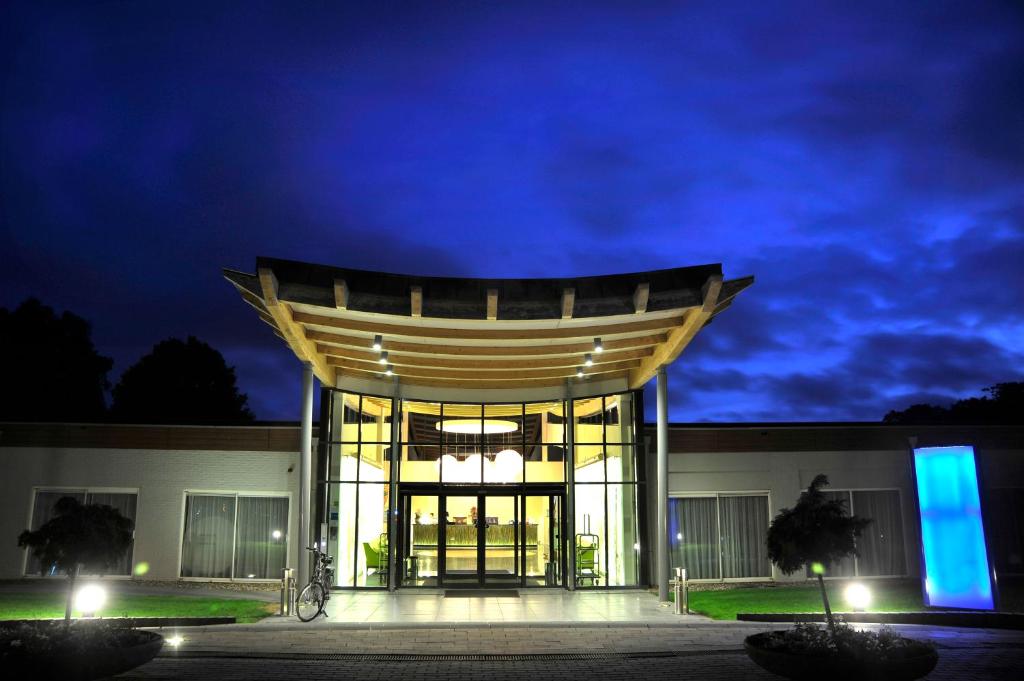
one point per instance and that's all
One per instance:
(305, 472)
(661, 545)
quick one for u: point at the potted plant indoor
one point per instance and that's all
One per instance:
(817, 533)
(79, 534)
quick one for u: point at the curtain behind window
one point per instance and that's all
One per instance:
(261, 537)
(880, 547)
(125, 503)
(744, 527)
(693, 538)
(209, 536)
(42, 512)
(845, 567)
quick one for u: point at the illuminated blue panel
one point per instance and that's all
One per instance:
(956, 565)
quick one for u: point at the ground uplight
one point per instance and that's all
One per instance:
(858, 596)
(90, 598)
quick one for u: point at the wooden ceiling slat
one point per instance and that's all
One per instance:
(479, 374)
(493, 383)
(476, 333)
(402, 359)
(484, 351)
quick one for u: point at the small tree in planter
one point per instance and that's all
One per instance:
(79, 534)
(818, 532)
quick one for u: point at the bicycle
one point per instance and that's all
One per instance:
(314, 596)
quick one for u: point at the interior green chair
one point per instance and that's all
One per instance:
(586, 565)
(376, 559)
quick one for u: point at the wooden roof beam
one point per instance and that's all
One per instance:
(416, 300)
(640, 296)
(568, 302)
(340, 294)
(401, 359)
(477, 376)
(292, 332)
(679, 337)
(462, 383)
(492, 303)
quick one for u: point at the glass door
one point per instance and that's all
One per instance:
(418, 555)
(542, 545)
(460, 540)
(502, 528)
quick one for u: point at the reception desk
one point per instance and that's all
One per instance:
(466, 535)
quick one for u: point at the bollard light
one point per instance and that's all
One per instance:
(89, 599)
(858, 596)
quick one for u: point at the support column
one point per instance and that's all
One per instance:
(661, 544)
(393, 507)
(305, 472)
(569, 511)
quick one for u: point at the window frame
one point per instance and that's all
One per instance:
(234, 533)
(87, 490)
(718, 520)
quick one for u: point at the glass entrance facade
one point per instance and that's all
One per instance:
(482, 495)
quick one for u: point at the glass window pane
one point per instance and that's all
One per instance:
(589, 463)
(502, 443)
(621, 463)
(344, 462)
(42, 512)
(414, 468)
(375, 419)
(553, 420)
(880, 547)
(693, 536)
(125, 503)
(545, 464)
(623, 546)
(261, 537)
(588, 421)
(341, 531)
(372, 559)
(345, 421)
(618, 419)
(209, 536)
(589, 560)
(374, 465)
(743, 527)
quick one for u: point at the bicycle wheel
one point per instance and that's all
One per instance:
(310, 602)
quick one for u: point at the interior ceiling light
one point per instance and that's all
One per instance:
(383, 358)
(378, 343)
(476, 426)
(598, 345)
(588, 359)
(388, 370)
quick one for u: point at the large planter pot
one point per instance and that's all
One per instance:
(83, 665)
(918, 661)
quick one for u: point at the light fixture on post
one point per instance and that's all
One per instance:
(388, 370)
(598, 345)
(588, 359)
(378, 343)
(383, 358)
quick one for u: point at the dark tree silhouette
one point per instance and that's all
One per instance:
(180, 382)
(79, 534)
(50, 369)
(1003, 404)
(815, 531)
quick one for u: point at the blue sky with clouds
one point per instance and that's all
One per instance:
(864, 161)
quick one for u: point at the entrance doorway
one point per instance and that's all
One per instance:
(481, 538)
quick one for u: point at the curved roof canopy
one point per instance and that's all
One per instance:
(488, 334)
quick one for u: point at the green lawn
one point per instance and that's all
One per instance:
(44, 605)
(723, 605)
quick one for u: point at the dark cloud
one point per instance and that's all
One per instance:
(865, 163)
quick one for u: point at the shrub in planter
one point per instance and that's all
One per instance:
(80, 651)
(812, 652)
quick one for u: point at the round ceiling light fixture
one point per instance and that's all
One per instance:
(476, 426)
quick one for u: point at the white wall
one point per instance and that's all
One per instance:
(161, 477)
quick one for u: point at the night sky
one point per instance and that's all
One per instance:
(864, 162)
